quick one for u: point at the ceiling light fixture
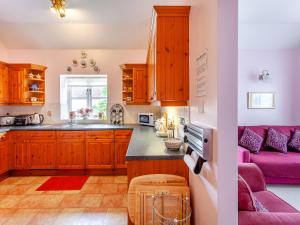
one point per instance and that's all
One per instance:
(58, 6)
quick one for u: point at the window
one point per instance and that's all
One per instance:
(83, 91)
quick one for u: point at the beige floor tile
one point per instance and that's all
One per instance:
(40, 180)
(92, 180)
(122, 188)
(25, 180)
(91, 201)
(121, 180)
(10, 201)
(45, 217)
(113, 200)
(109, 188)
(9, 180)
(105, 179)
(70, 192)
(40, 201)
(22, 217)
(52, 192)
(91, 189)
(70, 201)
(6, 188)
(33, 190)
(20, 189)
(116, 216)
(70, 217)
(6, 214)
(94, 216)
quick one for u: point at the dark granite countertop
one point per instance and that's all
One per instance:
(144, 145)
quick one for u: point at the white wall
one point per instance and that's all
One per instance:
(283, 65)
(213, 25)
(57, 62)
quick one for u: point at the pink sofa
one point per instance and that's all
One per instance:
(278, 211)
(278, 168)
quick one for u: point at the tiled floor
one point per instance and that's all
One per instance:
(101, 201)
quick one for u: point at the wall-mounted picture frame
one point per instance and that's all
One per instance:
(261, 100)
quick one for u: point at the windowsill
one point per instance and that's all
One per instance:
(86, 121)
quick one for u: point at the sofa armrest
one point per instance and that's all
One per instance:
(253, 176)
(259, 218)
(243, 155)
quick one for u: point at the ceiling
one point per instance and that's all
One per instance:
(269, 24)
(125, 24)
(89, 24)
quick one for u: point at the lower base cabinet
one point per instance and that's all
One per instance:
(41, 154)
(4, 155)
(100, 153)
(70, 154)
(70, 150)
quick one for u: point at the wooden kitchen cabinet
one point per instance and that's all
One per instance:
(4, 154)
(168, 56)
(100, 153)
(70, 154)
(122, 139)
(4, 96)
(26, 84)
(19, 156)
(135, 84)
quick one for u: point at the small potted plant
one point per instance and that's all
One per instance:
(85, 112)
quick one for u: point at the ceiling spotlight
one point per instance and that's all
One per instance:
(59, 7)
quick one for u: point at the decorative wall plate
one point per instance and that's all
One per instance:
(83, 55)
(74, 62)
(92, 62)
(83, 64)
(96, 69)
(69, 69)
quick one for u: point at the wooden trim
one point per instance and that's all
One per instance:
(172, 10)
(132, 66)
(173, 103)
(66, 172)
(27, 66)
(4, 176)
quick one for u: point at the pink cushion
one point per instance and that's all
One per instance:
(273, 203)
(276, 164)
(251, 140)
(295, 141)
(277, 140)
(245, 197)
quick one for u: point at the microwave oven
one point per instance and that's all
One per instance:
(146, 119)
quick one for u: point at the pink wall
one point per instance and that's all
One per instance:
(3, 52)
(213, 25)
(57, 62)
(283, 66)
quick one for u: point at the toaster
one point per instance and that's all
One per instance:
(7, 120)
(23, 120)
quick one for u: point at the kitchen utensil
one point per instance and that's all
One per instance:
(37, 118)
(7, 120)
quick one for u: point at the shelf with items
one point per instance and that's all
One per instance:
(134, 84)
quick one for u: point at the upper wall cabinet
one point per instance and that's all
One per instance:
(168, 56)
(26, 84)
(134, 84)
(3, 83)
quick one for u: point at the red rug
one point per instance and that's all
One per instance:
(63, 183)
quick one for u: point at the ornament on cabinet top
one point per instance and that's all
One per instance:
(85, 63)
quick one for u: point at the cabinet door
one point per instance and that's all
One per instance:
(140, 85)
(19, 154)
(100, 153)
(3, 83)
(16, 78)
(70, 154)
(4, 160)
(121, 146)
(41, 154)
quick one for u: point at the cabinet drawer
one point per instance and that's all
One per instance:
(70, 134)
(123, 134)
(40, 135)
(100, 134)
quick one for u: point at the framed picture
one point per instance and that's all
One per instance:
(261, 100)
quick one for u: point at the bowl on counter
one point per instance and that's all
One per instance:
(173, 143)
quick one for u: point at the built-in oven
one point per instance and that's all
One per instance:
(146, 119)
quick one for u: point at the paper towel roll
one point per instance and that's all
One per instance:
(190, 162)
